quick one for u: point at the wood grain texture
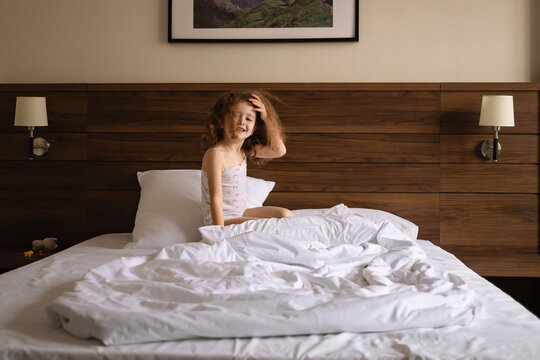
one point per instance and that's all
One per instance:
(350, 177)
(411, 149)
(144, 147)
(123, 175)
(422, 209)
(41, 88)
(289, 177)
(383, 148)
(66, 111)
(460, 112)
(327, 86)
(149, 111)
(491, 86)
(515, 149)
(489, 224)
(300, 111)
(365, 148)
(110, 211)
(29, 214)
(527, 265)
(489, 178)
(64, 146)
(360, 111)
(42, 175)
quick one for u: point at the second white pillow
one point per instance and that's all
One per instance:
(169, 210)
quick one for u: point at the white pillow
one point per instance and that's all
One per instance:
(257, 191)
(377, 216)
(169, 209)
(407, 227)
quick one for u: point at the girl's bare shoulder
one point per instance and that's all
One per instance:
(212, 160)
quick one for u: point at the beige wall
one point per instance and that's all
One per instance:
(88, 41)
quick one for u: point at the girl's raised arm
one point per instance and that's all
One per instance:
(276, 146)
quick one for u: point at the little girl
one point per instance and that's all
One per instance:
(242, 126)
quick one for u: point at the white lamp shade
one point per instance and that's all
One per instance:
(30, 111)
(497, 110)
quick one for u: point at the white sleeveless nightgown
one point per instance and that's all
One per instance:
(233, 183)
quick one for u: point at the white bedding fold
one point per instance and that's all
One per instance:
(257, 283)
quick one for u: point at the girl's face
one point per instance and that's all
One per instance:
(242, 122)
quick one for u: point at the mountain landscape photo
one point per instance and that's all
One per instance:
(262, 13)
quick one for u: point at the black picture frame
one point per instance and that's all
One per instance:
(182, 30)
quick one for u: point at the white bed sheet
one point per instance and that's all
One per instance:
(504, 329)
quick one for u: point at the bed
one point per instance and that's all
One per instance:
(411, 163)
(421, 302)
(503, 330)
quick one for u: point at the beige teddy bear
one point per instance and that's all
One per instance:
(47, 244)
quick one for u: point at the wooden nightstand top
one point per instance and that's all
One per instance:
(12, 259)
(519, 265)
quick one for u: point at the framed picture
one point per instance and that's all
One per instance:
(262, 20)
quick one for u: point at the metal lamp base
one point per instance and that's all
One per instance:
(40, 146)
(487, 149)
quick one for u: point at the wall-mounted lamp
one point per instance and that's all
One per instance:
(32, 111)
(497, 111)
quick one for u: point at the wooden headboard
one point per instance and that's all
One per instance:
(408, 148)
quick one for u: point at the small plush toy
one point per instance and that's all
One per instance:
(46, 244)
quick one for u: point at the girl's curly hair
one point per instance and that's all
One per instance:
(263, 133)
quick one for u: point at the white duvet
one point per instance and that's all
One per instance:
(317, 274)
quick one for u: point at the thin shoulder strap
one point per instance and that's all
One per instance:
(222, 158)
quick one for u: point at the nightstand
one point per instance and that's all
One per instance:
(11, 259)
(518, 275)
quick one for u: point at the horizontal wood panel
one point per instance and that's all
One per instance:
(491, 86)
(489, 223)
(410, 149)
(525, 265)
(43, 87)
(300, 111)
(360, 111)
(149, 111)
(114, 211)
(421, 209)
(144, 147)
(37, 174)
(111, 211)
(64, 146)
(66, 111)
(460, 112)
(29, 214)
(39, 205)
(327, 86)
(414, 148)
(518, 149)
(349, 177)
(123, 175)
(489, 178)
(301, 177)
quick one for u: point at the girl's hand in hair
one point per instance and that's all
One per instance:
(258, 105)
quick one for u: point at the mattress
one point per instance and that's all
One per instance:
(503, 329)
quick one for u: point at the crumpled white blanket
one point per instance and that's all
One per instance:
(309, 275)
